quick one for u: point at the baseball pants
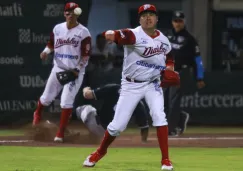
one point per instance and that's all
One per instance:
(53, 88)
(131, 93)
(88, 114)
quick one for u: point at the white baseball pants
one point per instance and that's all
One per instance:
(131, 94)
(69, 91)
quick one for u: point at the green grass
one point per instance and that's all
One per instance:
(120, 159)
(11, 132)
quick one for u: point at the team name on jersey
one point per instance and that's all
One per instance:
(151, 51)
(147, 65)
(68, 56)
(69, 41)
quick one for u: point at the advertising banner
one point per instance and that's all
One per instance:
(220, 102)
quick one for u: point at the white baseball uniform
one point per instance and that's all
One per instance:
(71, 50)
(144, 58)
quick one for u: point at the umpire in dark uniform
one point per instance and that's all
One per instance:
(186, 53)
(97, 120)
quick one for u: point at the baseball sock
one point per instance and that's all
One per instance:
(162, 134)
(39, 108)
(106, 142)
(64, 121)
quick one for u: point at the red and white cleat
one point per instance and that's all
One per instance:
(58, 139)
(92, 159)
(166, 165)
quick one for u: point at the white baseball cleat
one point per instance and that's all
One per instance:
(166, 165)
(92, 159)
(88, 163)
(58, 139)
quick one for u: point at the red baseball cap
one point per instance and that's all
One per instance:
(70, 6)
(147, 8)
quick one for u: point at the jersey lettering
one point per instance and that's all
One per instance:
(145, 64)
(150, 51)
(69, 41)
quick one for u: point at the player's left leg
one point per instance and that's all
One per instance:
(127, 102)
(155, 100)
(87, 114)
(69, 93)
(52, 89)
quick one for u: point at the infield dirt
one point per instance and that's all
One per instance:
(78, 135)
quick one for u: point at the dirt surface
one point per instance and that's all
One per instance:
(78, 135)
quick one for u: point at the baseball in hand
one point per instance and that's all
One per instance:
(110, 36)
(109, 32)
(77, 11)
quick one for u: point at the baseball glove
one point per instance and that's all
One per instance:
(169, 78)
(67, 76)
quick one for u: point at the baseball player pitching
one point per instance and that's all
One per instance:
(146, 54)
(70, 42)
(97, 122)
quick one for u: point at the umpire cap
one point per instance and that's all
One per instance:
(178, 15)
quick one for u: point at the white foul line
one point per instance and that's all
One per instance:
(191, 138)
(208, 138)
(14, 141)
(150, 139)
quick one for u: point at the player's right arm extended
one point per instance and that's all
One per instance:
(123, 37)
(50, 44)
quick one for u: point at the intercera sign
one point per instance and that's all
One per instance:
(220, 102)
(212, 101)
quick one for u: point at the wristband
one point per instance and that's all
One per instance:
(47, 50)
